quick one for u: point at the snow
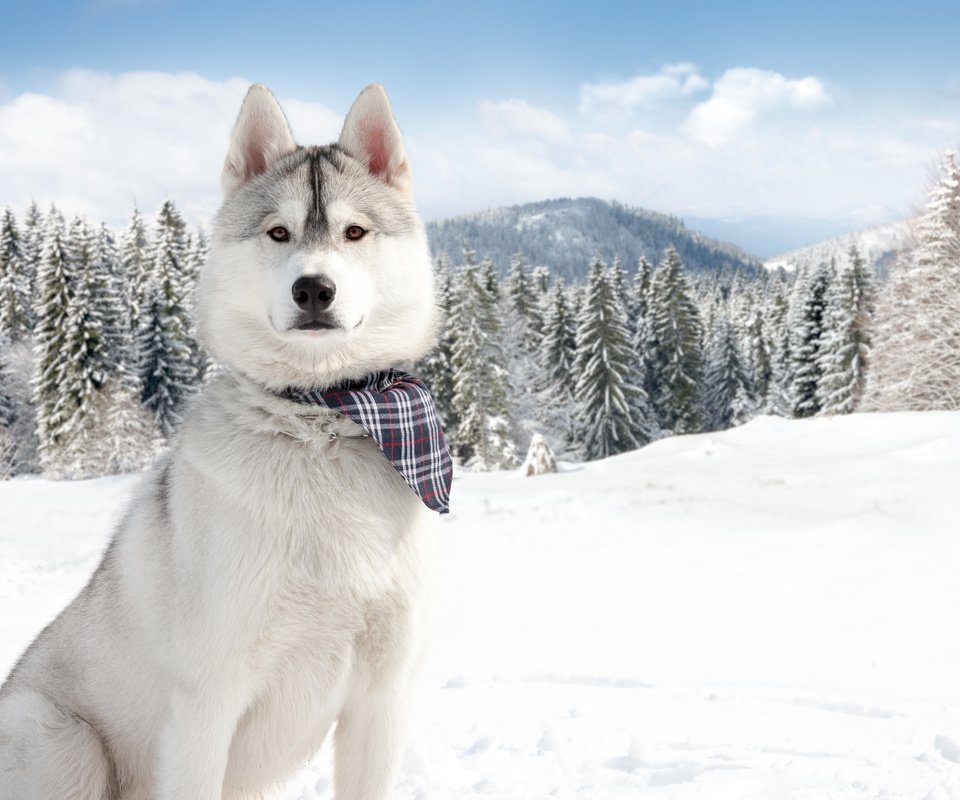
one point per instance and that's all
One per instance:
(879, 247)
(767, 612)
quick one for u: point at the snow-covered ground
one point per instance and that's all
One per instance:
(879, 247)
(772, 612)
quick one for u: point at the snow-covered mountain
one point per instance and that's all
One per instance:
(879, 246)
(565, 233)
(767, 612)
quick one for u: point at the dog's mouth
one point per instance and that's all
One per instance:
(315, 325)
(316, 321)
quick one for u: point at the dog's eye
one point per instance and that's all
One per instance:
(354, 232)
(279, 234)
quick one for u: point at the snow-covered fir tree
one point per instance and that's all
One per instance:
(31, 247)
(436, 369)
(521, 334)
(807, 322)
(728, 391)
(638, 295)
(613, 415)
(675, 343)
(556, 379)
(6, 396)
(482, 439)
(197, 249)
(916, 359)
(54, 287)
(541, 280)
(167, 352)
(758, 359)
(6, 417)
(619, 284)
(14, 287)
(524, 316)
(108, 296)
(845, 354)
(490, 281)
(84, 363)
(776, 323)
(135, 269)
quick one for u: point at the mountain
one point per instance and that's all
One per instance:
(565, 233)
(879, 246)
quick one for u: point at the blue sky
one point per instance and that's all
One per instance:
(770, 124)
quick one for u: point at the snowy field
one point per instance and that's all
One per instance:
(772, 612)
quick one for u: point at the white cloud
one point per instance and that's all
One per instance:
(97, 141)
(741, 95)
(518, 117)
(674, 80)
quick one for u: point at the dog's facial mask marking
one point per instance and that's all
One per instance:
(294, 212)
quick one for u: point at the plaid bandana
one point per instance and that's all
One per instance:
(397, 410)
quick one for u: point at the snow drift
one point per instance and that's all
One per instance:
(767, 612)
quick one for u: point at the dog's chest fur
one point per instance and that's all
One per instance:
(301, 557)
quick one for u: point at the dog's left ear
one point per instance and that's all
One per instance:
(370, 133)
(260, 136)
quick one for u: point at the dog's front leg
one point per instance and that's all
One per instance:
(367, 743)
(194, 745)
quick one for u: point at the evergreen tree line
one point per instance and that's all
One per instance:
(97, 351)
(612, 363)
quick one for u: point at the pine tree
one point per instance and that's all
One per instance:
(6, 396)
(758, 359)
(83, 362)
(524, 317)
(556, 379)
(490, 281)
(436, 369)
(618, 282)
(916, 361)
(54, 281)
(521, 333)
(541, 281)
(846, 351)
(6, 416)
(167, 355)
(728, 395)
(610, 401)
(14, 288)
(480, 394)
(675, 334)
(638, 296)
(777, 319)
(135, 268)
(32, 251)
(807, 322)
(196, 257)
(108, 296)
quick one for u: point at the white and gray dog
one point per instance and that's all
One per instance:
(270, 577)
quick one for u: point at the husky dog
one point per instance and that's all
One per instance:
(270, 577)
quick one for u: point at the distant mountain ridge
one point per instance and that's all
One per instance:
(879, 247)
(565, 233)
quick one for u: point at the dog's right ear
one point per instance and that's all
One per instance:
(260, 136)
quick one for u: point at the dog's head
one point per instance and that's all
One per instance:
(318, 267)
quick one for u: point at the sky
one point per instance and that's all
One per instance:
(767, 125)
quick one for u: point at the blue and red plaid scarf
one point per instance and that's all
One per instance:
(398, 411)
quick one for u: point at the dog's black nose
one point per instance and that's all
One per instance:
(313, 292)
